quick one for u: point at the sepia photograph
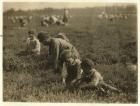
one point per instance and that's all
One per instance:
(70, 52)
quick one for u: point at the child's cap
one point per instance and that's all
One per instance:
(42, 36)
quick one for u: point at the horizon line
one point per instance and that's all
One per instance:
(38, 6)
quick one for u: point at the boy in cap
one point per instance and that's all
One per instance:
(56, 47)
(33, 44)
(91, 78)
(65, 17)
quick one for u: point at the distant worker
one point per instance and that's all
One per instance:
(33, 44)
(60, 22)
(53, 20)
(45, 21)
(22, 21)
(65, 17)
(13, 19)
(29, 18)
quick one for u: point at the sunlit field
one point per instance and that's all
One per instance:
(107, 42)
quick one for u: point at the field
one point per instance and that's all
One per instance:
(107, 43)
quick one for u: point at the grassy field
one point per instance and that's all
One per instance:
(30, 79)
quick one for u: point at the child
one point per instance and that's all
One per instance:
(91, 78)
(33, 44)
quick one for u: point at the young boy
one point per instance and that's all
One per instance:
(57, 46)
(33, 44)
(91, 78)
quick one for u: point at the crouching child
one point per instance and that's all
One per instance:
(33, 44)
(92, 79)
